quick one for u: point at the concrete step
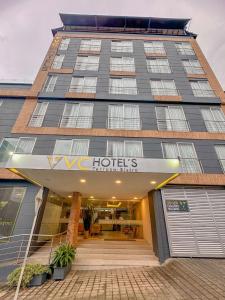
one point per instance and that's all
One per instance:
(114, 256)
(112, 262)
(139, 251)
(115, 246)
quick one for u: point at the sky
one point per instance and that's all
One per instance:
(25, 28)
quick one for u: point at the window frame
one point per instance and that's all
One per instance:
(124, 148)
(124, 88)
(83, 86)
(220, 159)
(180, 158)
(62, 44)
(71, 146)
(86, 63)
(17, 143)
(37, 115)
(79, 104)
(170, 119)
(154, 47)
(201, 90)
(88, 49)
(179, 51)
(214, 119)
(157, 59)
(57, 65)
(120, 47)
(46, 87)
(163, 88)
(123, 105)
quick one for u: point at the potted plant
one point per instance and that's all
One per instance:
(34, 275)
(62, 261)
(87, 220)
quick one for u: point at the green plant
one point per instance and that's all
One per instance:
(29, 272)
(63, 256)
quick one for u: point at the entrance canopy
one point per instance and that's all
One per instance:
(102, 177)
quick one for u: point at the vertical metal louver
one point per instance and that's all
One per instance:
(200, 230)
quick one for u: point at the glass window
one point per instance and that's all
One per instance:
(23, 145)
(192, 66)
(186, 153)
(154, 47)
(77, 115)
(201, 88)
(58, 61)
(184, 48)
(83, 84)
(125, 148)
(11, 199)
(214, 119)
(89, 63)
(171, 118)
(50, 83)
(158, 65)
(38, 114)
(64, 44)
(220, 151)
(122, 64)
(122, 46)
(71, 147)
(123, 86)
(163, 87)
(124, 116)
(90, 45)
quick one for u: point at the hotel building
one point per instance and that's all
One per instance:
(125, 115)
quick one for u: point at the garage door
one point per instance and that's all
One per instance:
(195, 221)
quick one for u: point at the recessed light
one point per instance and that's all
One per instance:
(118, 181)
(70, 196)
(113, 197)
(91, 197)
(135, 198)
(153, 182)
(82, 180)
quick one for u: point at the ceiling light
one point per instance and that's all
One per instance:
(135, 198)
(113, 197)
(82, 180)
(70, 196)
(153, 182)
(118, 181)
(91, 197)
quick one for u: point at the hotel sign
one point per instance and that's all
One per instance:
(177, 206)
(92, 163)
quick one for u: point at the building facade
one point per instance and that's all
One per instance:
(117, 102)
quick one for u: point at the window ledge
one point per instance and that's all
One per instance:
(167, 98)
(122, 73)
(80, 95)
(61, 71)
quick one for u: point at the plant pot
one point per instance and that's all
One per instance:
(86, 234)
(38, 279)
(60, 273)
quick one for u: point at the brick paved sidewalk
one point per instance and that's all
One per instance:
(178, 279)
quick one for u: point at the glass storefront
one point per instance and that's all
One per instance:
(10, 201)
(114, 219)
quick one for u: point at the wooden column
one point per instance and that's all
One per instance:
(72, 231)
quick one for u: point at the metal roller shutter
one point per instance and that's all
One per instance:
(195, 221)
